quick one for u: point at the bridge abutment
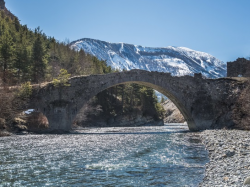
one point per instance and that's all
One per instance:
(59, 117)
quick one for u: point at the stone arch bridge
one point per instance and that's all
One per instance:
(204, 103)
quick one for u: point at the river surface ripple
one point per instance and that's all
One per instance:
(121, 156)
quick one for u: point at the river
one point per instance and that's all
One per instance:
(117, 156)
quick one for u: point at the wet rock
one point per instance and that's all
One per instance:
(53, 131)
(230, 153)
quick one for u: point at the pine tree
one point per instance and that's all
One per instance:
(17, 24)
(22, 63)
(7, 50)
(82, 67)
(39, 59)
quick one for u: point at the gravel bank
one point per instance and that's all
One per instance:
(229, 154)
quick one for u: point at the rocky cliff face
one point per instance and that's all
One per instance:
(5, 10)
(172, 115)
(2, 4)
(241, 110)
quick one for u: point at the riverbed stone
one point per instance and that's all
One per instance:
(229, 165)
(247, 181)
(230, 153)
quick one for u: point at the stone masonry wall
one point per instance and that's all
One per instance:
(240, 67)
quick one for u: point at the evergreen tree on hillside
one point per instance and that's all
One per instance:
(22, 57)
(7, 49)
(39, 60)
(22, 64)
(35, 57)
(82, 67)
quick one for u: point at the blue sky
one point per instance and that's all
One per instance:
(218, 27)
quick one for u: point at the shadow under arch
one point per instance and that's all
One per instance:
(187, 116)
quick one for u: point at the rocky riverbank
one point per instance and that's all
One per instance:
(23, 124)
(229, 154)
(123, 121)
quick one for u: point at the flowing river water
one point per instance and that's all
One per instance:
(117, 156)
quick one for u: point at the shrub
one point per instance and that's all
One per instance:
(62, 79)
(25, 91)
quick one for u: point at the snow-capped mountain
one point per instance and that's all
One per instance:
(176, 60)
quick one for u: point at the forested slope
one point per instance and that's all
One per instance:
(30, 56)
(27, 55)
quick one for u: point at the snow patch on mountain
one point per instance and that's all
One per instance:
(178, 61)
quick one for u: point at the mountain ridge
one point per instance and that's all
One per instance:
(178, 61)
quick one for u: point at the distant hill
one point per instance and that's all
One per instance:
(177, 60)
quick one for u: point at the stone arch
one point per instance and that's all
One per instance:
(62, 105)
(177, 89)
(187, 116)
